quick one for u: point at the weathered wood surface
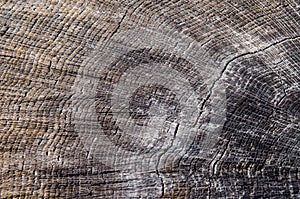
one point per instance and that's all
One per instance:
(149, 99)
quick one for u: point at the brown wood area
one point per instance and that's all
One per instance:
(150, 99)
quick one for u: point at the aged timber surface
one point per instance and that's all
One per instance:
(150, 99)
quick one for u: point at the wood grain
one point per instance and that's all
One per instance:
(149, 99)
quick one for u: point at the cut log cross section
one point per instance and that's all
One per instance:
(121, 89)
(151, 103)
(149, 99)
(133, 60)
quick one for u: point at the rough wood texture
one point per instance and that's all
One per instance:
(150, 99)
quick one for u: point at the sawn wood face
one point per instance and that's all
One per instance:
(149, 99)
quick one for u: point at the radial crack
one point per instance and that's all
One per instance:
(159, 157)
(215, 163)
(235, 58)
(118, 26)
